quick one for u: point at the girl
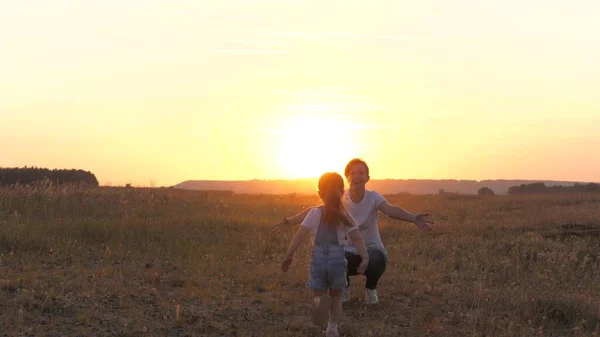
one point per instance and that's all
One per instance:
(329, 226)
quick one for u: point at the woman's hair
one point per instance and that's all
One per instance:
(331, 188)
(354, 162)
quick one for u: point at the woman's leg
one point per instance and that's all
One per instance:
(377, 263)
(375, 269)
(353, 263)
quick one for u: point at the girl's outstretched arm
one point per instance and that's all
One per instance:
(296, 242)
(359, 243)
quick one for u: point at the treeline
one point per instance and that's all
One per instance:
(31, 175)
(537, 188)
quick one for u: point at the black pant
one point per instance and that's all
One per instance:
(376, 267)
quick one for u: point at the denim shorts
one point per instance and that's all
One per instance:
(328, 268)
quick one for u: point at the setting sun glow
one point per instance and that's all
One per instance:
(313, 145)
(153, 93)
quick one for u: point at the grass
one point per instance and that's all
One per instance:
(164, 262)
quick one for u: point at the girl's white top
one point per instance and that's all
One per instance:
(312, 220)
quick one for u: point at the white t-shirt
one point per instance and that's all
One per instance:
(365, 216)
(312, 220)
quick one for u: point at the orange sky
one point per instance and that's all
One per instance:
(154, 93)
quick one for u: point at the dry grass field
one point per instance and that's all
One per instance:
(164, 262)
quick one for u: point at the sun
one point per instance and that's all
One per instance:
(312, 145)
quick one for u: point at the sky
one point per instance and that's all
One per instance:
(154, 93)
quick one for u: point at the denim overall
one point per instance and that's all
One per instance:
(328, 264)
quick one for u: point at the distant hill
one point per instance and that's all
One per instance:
(387, 186)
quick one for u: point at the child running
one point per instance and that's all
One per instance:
(329, 226)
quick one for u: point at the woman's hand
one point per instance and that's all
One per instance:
(277, 229)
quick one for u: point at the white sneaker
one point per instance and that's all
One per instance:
(371, 296)
(346, 295)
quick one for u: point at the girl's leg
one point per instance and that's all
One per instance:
(335, 312)
(321, 307)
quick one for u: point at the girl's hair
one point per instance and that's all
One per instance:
(331, 186)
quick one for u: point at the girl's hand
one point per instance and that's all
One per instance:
(285, 265)
(362, 267)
